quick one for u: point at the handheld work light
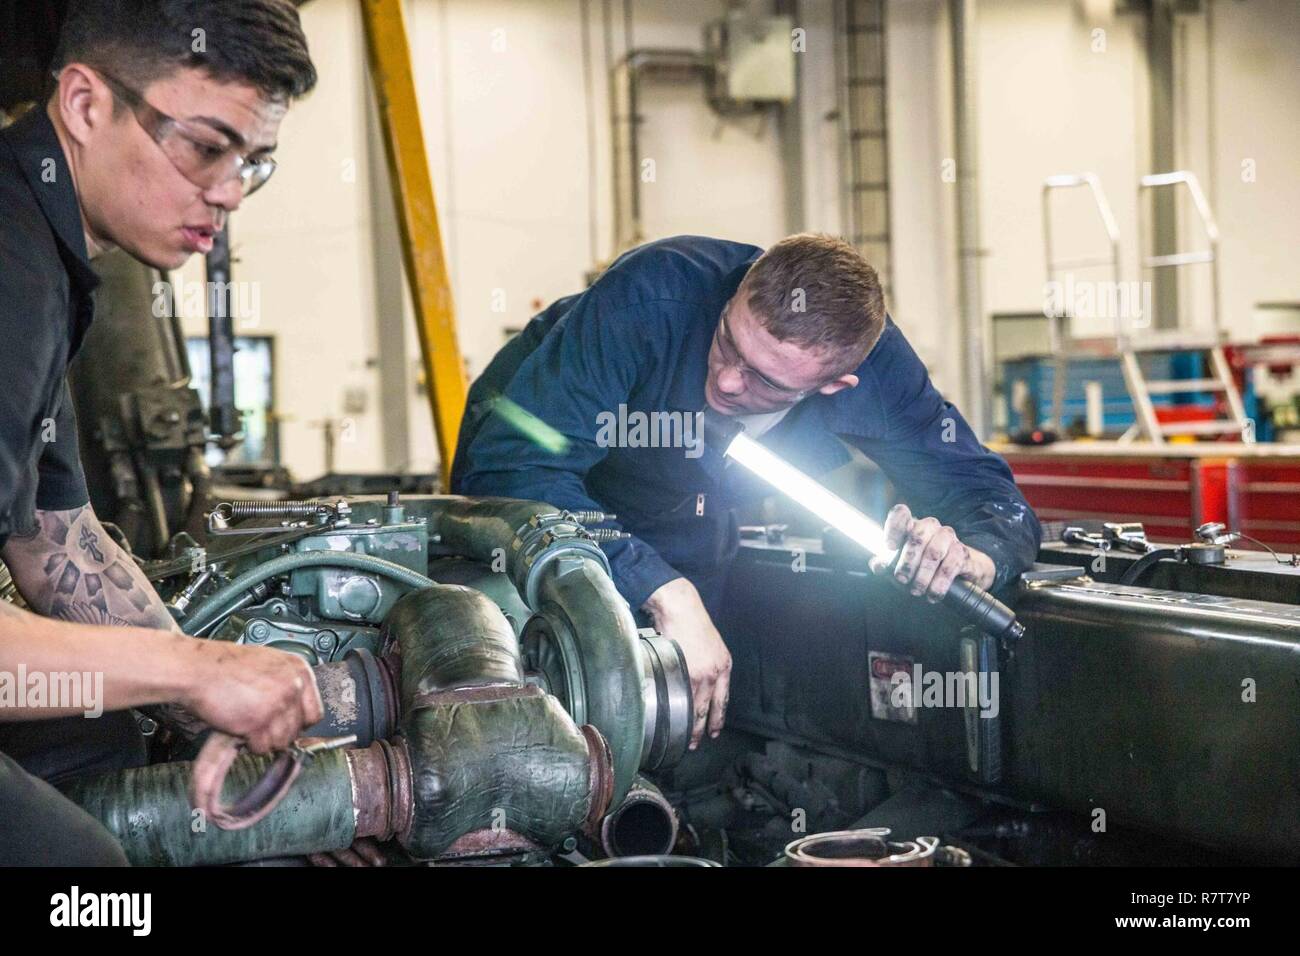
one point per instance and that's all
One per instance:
(727, 436)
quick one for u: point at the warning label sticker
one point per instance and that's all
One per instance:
(891, 690)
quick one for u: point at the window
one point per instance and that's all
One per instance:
(254, 397)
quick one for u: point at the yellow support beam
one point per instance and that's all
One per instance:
(417, 217)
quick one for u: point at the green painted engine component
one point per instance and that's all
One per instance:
(486, 751)
(274, 624)
(344, 594)
(405, 543)
(478, 528)
(148, 810)
(476, 751)
(516, 761)
(221, 601)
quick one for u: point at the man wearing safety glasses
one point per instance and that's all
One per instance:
(794, 342)
(163, 117)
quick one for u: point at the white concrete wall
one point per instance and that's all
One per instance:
(1051, 104)
(502, 99)
(1254, 172)
(922, 201)
(304, 241)
(501, 92)
(1053, 99)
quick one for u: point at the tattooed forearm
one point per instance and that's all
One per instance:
(68, 567)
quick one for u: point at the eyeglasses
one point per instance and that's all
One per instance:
(754, 379)
(196, 155)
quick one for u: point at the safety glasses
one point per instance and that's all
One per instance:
(200, 155)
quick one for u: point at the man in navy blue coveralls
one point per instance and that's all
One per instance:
(796, 343)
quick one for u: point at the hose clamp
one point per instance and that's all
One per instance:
(543, 539)
(871, 846)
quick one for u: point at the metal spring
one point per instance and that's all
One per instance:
(591, 517)
(234, 510)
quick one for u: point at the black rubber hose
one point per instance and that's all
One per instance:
(1144, 563)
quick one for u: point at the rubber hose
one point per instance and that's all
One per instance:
(1148, 560)
(148, 810)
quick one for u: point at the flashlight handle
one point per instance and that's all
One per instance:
(982, 609)
(976, 605)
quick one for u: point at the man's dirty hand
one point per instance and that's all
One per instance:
(680, 615)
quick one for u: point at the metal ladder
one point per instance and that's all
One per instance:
(860, 40)
(1133, 339)
(1061, 341)
(1221, 380)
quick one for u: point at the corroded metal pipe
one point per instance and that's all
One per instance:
(359, 696)
(644, 824)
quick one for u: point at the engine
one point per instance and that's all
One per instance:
(498, 700)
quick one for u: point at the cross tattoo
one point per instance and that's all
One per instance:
(88, 541)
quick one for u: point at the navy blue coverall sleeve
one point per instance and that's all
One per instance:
(589, 363)
(939, 467)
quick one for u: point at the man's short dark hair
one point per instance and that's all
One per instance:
(817, 292)
(256, 42)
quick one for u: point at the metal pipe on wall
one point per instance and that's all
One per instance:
(625, 83)
(976, 380)
(790, 126)
(1164, 158)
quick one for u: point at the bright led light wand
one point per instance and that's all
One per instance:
(728, 436)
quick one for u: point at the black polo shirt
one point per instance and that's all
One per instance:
(45, 308)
